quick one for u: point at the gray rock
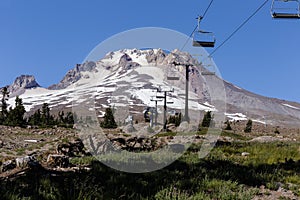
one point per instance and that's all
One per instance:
(130, 128)
(27, 161)
(58, 161)
(8, 165)
(157, 57)
(71, 149)
(265, 139)
(22, 83)
(74, 75)
(137, 145)
(245, 154)
(177, 148)
(126, 62)
(186, 127)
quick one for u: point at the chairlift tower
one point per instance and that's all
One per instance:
(164, 97)
(187, 78)
(153, 98)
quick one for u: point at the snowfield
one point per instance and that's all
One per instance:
(119, 88)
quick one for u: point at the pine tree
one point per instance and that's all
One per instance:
(175, 119)
(69, 119)
(248, 127)
(16, 115)
(45, 117)
(4, 112)
(61, 117)
(109, 120)
(228, 127)
(35, 119)
(207, 119)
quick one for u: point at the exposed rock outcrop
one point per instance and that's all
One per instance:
(74, 75)
(22, 83)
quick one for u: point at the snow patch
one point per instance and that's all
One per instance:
(290, 106)
(236, 116)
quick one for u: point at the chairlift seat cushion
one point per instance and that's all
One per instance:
(286, 15)
(203, 44)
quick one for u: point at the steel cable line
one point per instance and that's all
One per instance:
(239, 27)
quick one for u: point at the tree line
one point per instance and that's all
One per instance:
(42, 118)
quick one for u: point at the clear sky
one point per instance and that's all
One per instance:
(46, 38)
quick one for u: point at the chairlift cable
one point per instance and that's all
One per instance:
(188, 39)
(236, 30)
(208, 7)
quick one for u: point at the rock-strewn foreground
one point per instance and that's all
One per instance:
(51, 152)
(18, 142)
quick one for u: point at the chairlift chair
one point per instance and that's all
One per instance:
(172, 75)
(203, 38)
(208, 73)
(172, 78)
(285, 9)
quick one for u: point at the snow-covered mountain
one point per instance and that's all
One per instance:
(130, 78)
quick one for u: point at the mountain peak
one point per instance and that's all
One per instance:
(21, 83)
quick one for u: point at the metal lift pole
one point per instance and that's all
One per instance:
(165, 110)
(155, 122)
(164, 97)
(156, 113)
(187, 78)
(186, 109)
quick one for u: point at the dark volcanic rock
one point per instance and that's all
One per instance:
(74, 75)
(58, 161)
(21, 83)
(8, 165)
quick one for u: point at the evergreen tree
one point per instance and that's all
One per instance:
(61, 117)
(228, 127)
(109, 120)
(4, 112)
(16, 115)
(207, 119)
(35, 119)
(248, 127)
(175, 119)
(45, 117)
(69, 119)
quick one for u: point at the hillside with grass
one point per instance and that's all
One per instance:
(241, 166)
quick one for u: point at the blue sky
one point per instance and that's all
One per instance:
(46, 38)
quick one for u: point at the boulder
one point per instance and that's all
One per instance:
(8, 165)
(183, 127)
(71, 149)
(266, 139)
(177, 148)
(27, 161)
(245, 154)
(137, 145)
(57, 161)
(130, 128)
